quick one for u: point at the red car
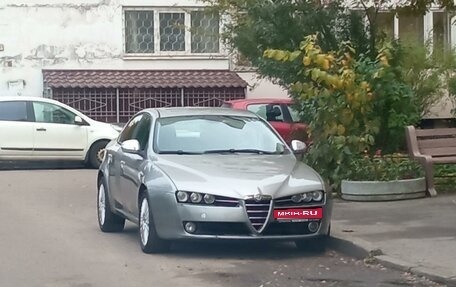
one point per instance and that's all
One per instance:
(278, 112)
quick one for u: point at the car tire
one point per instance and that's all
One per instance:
(107, 220)
(148, 237)
(314, 245)
(95, 155)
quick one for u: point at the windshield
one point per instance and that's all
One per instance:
(213, 134)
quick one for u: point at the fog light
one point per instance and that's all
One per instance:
(313, 226)
(209, 198)
(196, 197)
(296, 198)
(190, 227)
(182, 196)
(317, 195)
(307, 197)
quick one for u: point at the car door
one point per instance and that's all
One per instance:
(16, 130)
(56, 133)
(132, 164)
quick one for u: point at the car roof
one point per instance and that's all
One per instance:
(201, 111)
(262, 100)
(26, 98)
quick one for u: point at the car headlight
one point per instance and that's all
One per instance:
(307, 197)
(209, 198)
(317, 195)
(182, 196)
(196, 197)
(297, 198)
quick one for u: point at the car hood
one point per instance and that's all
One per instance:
(239, 176)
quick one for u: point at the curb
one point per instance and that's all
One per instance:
(361, 249)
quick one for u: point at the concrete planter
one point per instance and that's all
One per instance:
(383, 190)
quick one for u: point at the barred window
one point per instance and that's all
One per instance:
(164, 32)
(172, 32)
(205, 32)
(139, 31)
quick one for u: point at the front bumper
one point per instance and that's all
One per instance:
(218, 222)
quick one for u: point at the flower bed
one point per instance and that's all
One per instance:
(378, 178)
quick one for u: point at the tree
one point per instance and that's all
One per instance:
(256, 25)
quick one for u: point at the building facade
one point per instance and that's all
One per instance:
(111, 58)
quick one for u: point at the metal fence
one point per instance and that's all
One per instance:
(119, 105)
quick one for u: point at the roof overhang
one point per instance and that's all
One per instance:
(142, 79)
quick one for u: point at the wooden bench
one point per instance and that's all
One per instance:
(429, 147)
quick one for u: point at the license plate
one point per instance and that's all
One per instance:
(301, 213)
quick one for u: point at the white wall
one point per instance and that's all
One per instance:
(261, 88)
(59, 34)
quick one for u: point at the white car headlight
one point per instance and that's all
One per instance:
(317, 195)
(196, 197)
(182, 196)
(307, 197)
(209, 198)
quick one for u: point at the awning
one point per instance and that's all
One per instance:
(142, 79)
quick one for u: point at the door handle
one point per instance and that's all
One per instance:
(41, 129)
(122, 164)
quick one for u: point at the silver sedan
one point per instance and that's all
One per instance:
(198, 173)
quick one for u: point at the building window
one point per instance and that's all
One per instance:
(411, 28)
(440, 33)
(205, 32)
(385, 24)
(163, 32)
(139, 31)
(172, 32)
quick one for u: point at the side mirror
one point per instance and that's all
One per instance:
(298, 147)
(79, 121)
(131, 146)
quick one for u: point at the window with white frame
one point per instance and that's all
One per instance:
(415, 28)
(163, 32)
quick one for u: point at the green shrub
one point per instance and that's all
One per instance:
(383, 168)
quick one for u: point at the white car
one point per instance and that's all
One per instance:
(34, 128)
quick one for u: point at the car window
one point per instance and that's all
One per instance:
(128, 131)
(139, 129)
(13, 111)
(269, 112)
(293, 114)
(201, 134)
(142, 130)
(50, 113)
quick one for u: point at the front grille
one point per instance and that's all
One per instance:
(221, 228)
(287, 228)
(257, 212)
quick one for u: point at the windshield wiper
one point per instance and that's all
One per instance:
(232, 150)
(177, 152)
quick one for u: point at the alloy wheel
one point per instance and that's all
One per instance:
(144, 221)
(101, 204)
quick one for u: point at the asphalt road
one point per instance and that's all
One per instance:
(49, 236)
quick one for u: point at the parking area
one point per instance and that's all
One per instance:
(50, 237)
